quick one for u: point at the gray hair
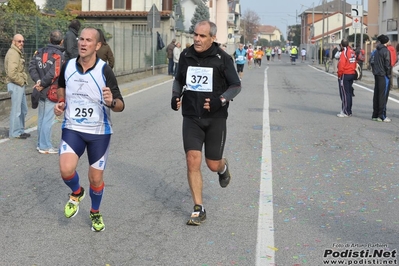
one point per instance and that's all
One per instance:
(344, 43)
(56, 37)
(212, 31)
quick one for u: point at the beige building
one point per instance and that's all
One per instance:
(270, 33)
(384, 16)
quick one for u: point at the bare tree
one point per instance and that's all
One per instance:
(249, 25)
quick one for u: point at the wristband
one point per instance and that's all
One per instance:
(62, 100)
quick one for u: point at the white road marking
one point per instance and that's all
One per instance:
(265, 249)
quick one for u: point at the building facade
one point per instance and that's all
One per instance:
(330, 22)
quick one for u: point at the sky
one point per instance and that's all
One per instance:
(282, 13)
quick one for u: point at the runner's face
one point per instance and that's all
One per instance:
(202, 38)
(88, 43)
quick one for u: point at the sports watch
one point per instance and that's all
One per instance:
(223, 100)
(113, 104)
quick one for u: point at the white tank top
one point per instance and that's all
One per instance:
(85, 111)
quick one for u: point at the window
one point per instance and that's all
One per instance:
(119, 4)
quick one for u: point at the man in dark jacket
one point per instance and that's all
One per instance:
(382, 75)
(169, 53)
(44, 71)
(210, 80)
(71, 40)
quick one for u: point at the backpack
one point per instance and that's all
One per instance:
(44, 62)
(371, 60)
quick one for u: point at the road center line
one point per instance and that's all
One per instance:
(265, 249)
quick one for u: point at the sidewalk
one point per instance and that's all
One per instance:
(125, 88)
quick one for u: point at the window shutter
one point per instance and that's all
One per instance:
(109, 4)
(128, 4)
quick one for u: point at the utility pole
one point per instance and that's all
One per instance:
(356, 32)
(344, 19)
(322, 34)
(361, 27)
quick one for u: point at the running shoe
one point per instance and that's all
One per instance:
(343, 115)
(197, 216)
(25, 135)
(72, 206)
(97, 224)
(386, 120)
(224, 179)
(49, 151)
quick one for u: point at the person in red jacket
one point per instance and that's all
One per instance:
(346, 76)
(392, 52)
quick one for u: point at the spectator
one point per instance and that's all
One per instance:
(360, 57)
(71, 40)
(105, 52)
(382, 72)
(224, 47)
(335, 58)
(397, 60)
(346, 76)
(169, 53)
(176, 56)
(16, 80)
(45, 75)
(392, 53)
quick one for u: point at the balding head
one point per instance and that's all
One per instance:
(18, 41)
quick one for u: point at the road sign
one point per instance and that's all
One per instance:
(357, 11)
(332, 37)
(154, 18)
(356, 23)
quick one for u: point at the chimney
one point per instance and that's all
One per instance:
(166, 5)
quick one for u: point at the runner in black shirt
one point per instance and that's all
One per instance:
(210, 82)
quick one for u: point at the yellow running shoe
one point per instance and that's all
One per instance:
(97, 224)
(72, 206)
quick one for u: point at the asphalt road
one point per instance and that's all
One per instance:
(314, 182)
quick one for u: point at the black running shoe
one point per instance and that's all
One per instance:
(197, 217)
(224, 179)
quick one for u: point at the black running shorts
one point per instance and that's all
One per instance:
(209, 131)
(240, 68)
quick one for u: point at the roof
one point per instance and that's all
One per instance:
(113, 14)
(267, 29)
(331, 6)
